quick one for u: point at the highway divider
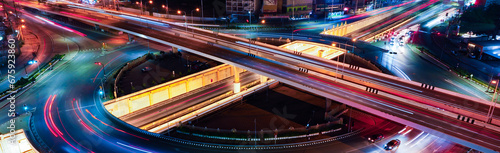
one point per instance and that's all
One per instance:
(25, 83)
(129, 65)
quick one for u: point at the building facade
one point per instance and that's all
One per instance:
(241, 6)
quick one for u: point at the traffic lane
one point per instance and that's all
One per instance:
(483, 107)
(485, 137)
(48, 94)
(82, 85)
(176, 41)
(40, 54)
(71, 124)
(206, 33)
(407, 61)
(349, 144)
(453, 99)
(168, 109)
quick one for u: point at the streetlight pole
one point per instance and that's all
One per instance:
(192, 20)
(185, 20)
(202, 20)
(166, 1)
(250, 16)
(103, 70)
(356, 7)
(293, 9)
(151, 4)
(255, 128)
(67, 44)
(141, 8)
(493, 100)
(337, 70)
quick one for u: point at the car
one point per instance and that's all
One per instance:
(401, 43)
(146, 69)
(375, 137)
(392, 38)
(392, 144)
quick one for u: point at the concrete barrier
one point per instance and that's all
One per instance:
(147, 97)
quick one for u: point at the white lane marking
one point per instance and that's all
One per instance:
(414, 138)
(133, 147)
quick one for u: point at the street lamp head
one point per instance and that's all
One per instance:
(333, 45)
(263, 21)
(353, 40)
(494, 82)
(22, 20)
(150, 2)
(197, 9)
(163, 6)
(137, 3)
(178, 12)
(22, 26)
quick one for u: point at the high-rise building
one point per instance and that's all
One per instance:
(241, 6)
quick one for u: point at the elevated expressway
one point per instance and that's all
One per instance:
(402, 100)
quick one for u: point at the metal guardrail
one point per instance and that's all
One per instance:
(259, 139)
(225, 146)
(145, 109)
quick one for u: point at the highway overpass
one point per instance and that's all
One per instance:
(284, 66)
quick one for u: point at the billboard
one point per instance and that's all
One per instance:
(270, 2)
(270, 6)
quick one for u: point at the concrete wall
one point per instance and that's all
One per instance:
(147, 97)
(126, 67)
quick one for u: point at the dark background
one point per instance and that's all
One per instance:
(211, 7)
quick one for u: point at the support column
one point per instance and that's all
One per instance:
(237, 84)
(328, 105)
(263, 79)
(130, 38)
(150, 95)
(175, 50)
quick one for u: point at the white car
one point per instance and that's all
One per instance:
(401, 43)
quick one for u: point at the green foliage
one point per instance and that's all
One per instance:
(58, 56)
(23, 81)
(478, 19)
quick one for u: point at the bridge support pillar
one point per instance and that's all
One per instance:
(130, 38)
(328, 105)
(237, 84)
(263, 79)
(175, 50)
